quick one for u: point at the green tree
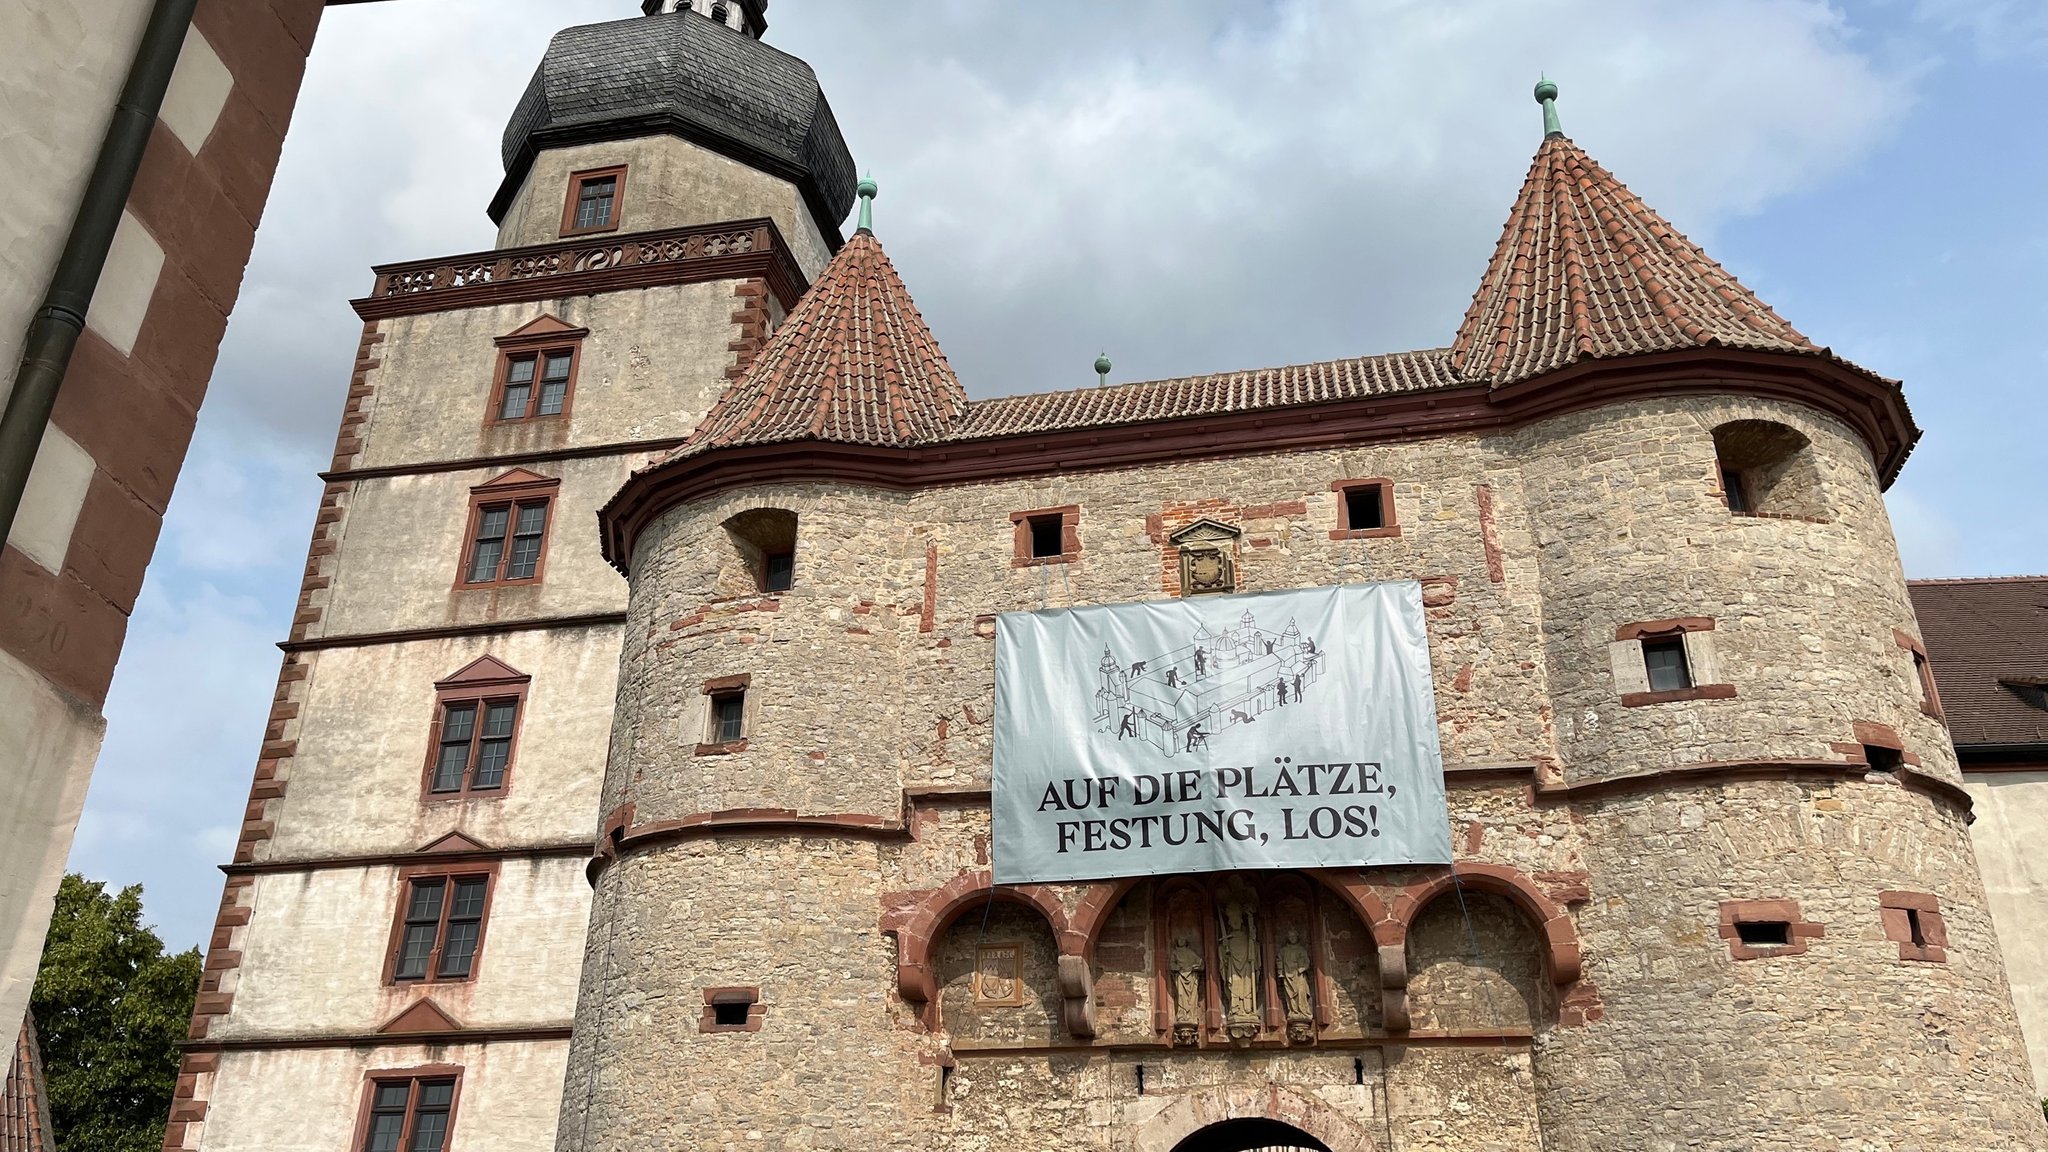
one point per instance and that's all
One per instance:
(112, 1009)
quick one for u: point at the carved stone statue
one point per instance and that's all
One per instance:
(1187, 990)
(1292, 966)
(1238, 952)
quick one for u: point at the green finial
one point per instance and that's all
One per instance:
(867, 191)
(1102, 369)
(1546, 95)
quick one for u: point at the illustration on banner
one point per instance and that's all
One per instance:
(1176, 700)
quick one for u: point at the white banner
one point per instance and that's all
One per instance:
(1271, 730)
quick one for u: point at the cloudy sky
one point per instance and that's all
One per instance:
(1193, 185)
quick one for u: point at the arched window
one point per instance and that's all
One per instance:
(765, 541)
(1768, 469)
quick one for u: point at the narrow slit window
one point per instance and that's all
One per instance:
(1665, 662)
(778, 571)
(1737, 494)
(1364, 508)
(1764, 933)
(728, 717)
(1916, 933)
(1048, 535)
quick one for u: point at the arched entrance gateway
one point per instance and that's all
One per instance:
(1251, 1136)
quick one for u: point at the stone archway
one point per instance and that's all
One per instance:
(1222, 1119)
(1251, 1136)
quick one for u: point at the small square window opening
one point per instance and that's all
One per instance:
(1884, 759)
(778, 572)
(1664, 660)
(730, 1014)
(1764, 933)
(1364, 507)
(1048, 536)
(728, 717)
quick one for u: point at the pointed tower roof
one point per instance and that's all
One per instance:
(1586, 270)
(853, 363)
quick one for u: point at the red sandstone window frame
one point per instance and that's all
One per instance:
(1923, 672)
(414, 1077)
(726, 688)
(1070, 536)
(1799, 932)
(577, 180)
(1914, 922)
(1390, 520)
(480, 685)
(537, 347)
(449, 874)
(513, 491)
(714, 997)
(1647, 632)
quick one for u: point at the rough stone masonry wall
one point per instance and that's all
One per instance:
(875, 674)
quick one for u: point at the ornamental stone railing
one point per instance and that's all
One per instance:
(642, 259)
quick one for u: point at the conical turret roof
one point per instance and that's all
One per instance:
(853, 363)
(1586, 270)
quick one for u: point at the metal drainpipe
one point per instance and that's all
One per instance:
(54, 333)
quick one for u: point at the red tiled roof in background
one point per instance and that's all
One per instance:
(1586, 270)
(853, 363)
(1979, 633)
(24, 1103)
(1219, 392)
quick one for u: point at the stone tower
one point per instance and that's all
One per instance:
(396, 957)
(1712, 888)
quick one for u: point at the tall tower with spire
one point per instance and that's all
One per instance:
(395, 963)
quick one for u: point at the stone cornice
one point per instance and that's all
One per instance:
(613, 262)
(1872, 407)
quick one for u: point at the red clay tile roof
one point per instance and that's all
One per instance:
(852, 363)
(1207, 395)
(24, 1104)
(1982, 635)
(1584, 269)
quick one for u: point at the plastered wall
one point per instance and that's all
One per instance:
(670, 183)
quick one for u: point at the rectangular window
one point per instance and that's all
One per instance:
(1664, 660)
(1363, 508)
(1738, 496)
(1047, 536)
(1764, 933)
(728, 717)
(595, 198)
(1884, 759)
(594, 202)
(779, 572)
(410, 1115)
(472, 758)
(508, 541)
(552, 368)
(441, 929)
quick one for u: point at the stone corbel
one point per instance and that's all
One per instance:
(1077, 994)
(1393, 963)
